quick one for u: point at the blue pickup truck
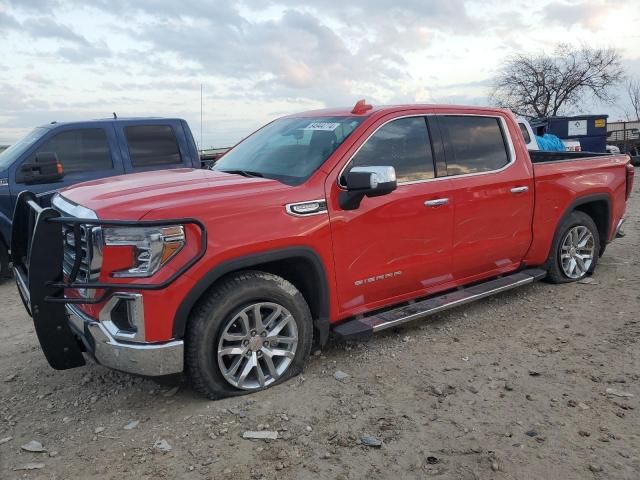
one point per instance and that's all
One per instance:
(56, 155)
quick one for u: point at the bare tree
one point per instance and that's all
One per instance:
(633, 91)
(545, 85)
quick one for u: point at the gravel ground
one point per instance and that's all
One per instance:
(541, 382)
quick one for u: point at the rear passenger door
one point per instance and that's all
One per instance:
(398, 245)
(155, 146)
(492, 191)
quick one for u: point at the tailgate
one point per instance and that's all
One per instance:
(36, 253)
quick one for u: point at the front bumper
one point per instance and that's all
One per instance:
(117, 337)
(149, 359)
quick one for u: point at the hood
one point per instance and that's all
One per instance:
(131, 197)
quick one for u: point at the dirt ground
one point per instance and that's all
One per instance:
(513, 387)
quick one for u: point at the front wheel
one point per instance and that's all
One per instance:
(575, 249)
(251, 332)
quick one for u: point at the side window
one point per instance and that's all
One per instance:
(474, 144)
(525, 133)
(82, 150)
(151, 145)
(403, 144)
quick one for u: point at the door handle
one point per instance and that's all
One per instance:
(436, 202)
(519, 189)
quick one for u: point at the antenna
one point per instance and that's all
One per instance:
(115, 117)
(201, 146)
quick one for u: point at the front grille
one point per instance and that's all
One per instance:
(89, 270)
(89, 238)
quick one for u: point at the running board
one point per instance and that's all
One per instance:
(392, 318)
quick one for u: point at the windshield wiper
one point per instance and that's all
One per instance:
(245, 173)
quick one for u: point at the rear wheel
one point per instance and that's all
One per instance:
(575, 249)
(251, 332)
(4, 262)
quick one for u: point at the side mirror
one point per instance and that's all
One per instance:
(369, 182)
(45, 168)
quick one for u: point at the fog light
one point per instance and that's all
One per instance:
(120, 316)
(123, 317)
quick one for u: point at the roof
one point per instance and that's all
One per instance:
(347, 111)
(133, 120)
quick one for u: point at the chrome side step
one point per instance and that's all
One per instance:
(406, 313)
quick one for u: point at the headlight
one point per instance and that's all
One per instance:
(153, 247)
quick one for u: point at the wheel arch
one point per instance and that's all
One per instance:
(598, 207)
(301, 266)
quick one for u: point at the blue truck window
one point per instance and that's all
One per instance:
(81, 150)
(152, 145)
(14, 152)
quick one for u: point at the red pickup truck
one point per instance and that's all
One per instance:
(348, 221)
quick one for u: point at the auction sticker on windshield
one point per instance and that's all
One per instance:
(323, 126)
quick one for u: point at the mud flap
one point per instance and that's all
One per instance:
(37, 251)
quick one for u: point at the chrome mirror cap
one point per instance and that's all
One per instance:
(379, 174)
(371, 181)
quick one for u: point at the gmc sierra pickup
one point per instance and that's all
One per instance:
(348, 221)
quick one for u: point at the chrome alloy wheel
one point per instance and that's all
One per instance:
(257, 345)
(577, 251)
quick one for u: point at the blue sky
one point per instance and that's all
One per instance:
(259, 59)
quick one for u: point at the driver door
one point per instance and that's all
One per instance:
(395, 246)
(85, 154)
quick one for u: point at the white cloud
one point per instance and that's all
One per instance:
(261, 58)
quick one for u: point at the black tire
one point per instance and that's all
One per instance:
(5, 273)
(216, 310)
(555, 273)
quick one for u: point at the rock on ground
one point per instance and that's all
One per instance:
(447, 396)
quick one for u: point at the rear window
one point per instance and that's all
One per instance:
(151, 145)
(474, 144)
(82, 150)
(525, 133)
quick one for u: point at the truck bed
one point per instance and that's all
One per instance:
(541, 156)
(571, 176)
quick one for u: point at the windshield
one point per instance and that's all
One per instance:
(14, 151)
(289, 149)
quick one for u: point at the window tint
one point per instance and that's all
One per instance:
(474, 144)
(525, 133)
(152, 145)
(82, 150)
(403, 144)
